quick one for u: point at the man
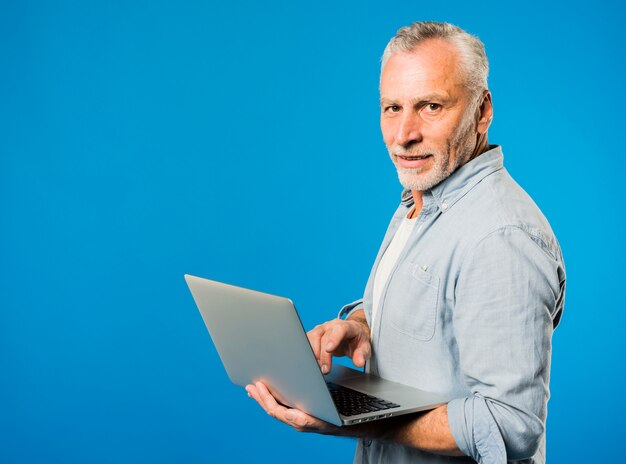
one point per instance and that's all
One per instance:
(469, 281)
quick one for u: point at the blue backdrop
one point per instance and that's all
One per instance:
(143, 140)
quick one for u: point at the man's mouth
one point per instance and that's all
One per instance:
(412, 161)
(413, 157)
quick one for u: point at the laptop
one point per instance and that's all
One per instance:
(259, 337)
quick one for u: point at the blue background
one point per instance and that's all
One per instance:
(143, 140)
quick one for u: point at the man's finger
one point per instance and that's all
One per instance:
(335, 336)
(361, 354)
(331, 339)
(268, 402)
(300, 420)
(315, 339)
(261, 395)
(252, 393)
(292, 417)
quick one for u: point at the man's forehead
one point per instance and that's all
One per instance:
(433, 54)
(432, 67)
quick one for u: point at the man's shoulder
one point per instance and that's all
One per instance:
(498, 200)
(499, 204)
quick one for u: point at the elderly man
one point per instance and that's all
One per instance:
(468, 284)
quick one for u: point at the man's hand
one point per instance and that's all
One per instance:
(297, 419)
(428, 431)
(341, 338)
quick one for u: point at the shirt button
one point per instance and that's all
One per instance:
(444, 206)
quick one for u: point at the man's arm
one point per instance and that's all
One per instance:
(508, 295)
(427, 431)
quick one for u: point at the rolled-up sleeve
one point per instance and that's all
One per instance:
(508, 296)
(348, 309)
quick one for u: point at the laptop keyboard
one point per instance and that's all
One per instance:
(351, 402)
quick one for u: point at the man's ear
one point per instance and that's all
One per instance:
(484, 113)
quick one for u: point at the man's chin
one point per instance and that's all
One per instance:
(417, 180)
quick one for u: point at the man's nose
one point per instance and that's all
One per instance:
(409, 129)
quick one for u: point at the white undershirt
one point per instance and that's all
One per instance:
(388, 261)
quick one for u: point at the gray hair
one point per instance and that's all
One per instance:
(470, 48)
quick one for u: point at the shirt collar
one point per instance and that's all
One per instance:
(445, 194)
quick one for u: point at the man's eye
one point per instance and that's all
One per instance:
(432, 107)
(393, 108)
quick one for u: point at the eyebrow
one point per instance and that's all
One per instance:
(421, 100)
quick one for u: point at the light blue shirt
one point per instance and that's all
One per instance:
(469, 311)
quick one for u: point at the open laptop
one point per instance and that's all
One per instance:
(259, 336)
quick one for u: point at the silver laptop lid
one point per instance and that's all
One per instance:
(259, 336)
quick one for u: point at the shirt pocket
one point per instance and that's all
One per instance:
(411, 301)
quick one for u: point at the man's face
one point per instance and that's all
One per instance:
(426, 118)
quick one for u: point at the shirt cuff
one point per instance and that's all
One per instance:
(475, 430)
(348, 309)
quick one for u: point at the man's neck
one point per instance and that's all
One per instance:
(417, 204)
(482, 145)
